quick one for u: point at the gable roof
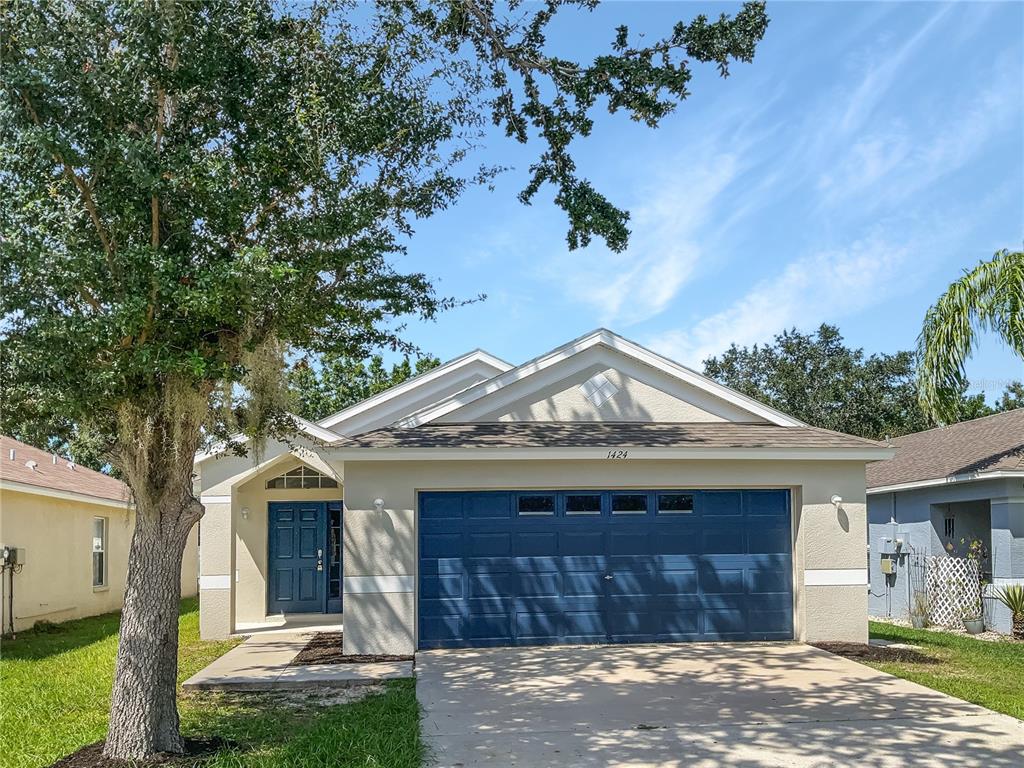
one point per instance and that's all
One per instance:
(52, 473)
(323, 431)
(604, 434)
(982, 446)
(600, 337)
(415, 382)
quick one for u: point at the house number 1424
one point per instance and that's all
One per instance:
(617, 455)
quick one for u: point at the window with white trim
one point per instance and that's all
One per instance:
(675, 503)
(535, 504)
(583, 503)
(302, 477)
(629, 503)
(99, 551)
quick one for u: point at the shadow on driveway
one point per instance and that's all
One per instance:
(695, 705)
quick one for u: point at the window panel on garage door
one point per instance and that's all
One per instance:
(535, 567)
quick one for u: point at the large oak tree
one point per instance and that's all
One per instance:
(193, 190)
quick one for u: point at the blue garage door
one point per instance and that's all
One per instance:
(541, 567)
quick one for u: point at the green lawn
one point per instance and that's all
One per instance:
(987, 673)
(55, 692)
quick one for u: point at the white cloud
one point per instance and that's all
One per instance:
(669, 238)
(887, 167)
(823, 286)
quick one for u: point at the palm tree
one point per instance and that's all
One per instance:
(989, 297)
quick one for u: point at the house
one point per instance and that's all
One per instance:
(68, 528)
(944, 489)
(597, 493)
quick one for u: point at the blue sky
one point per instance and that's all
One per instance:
(870, 153)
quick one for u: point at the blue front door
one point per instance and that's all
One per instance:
(297, 580)
(602, 566)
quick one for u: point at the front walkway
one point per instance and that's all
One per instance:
(701, 706)
(262, 662)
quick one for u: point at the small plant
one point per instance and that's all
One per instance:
(920, 609)
(1012, 596)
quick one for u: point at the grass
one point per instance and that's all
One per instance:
(987, 673)
(55, 693)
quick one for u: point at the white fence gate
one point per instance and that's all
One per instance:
(954, 590)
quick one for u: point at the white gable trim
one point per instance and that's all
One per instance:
(966, 478)
(611, 340)
(301, 454)
(409, 385)
(305, 427)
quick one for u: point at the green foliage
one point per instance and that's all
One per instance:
(1012, 397)
(1012, 596)
(188, 182)
(988, 299)
(821, 381)
(818, 379)
(335, 383)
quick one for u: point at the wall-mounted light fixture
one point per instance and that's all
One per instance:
(836, 500)
(378, 504)
(245, 513)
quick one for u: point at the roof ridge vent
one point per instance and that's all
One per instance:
(598, 389)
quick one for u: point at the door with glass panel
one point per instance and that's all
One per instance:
(304, 557)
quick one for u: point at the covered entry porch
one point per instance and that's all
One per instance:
(271, 553)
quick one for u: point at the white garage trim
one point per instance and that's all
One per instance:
(835, 577)
(362, 585)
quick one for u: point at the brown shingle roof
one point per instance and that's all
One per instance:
(988, 444)
(547, 434)
(57, 477)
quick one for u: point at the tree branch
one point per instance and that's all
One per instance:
(154, 202)
(83, 189)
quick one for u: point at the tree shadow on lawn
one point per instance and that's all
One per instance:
(48, 639)
(374, 724)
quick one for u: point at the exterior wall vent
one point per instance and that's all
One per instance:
(598, 389)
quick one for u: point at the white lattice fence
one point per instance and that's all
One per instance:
(954, 590)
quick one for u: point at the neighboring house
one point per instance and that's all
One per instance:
(71, 527)
(598, 493)
(943, 489)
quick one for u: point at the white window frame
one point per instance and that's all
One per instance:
(304, 473)
(102, 550)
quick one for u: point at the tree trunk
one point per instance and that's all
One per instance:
(143, 709)
(1018, 626)
(157, 443)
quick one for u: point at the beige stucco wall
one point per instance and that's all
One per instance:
(650, 395)
(55, 582)
(635, 401)
(827, 540)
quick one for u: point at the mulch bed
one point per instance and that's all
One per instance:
(197, 751)
(325, 648)
(878, 653)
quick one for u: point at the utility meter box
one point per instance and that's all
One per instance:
(11, 555)
(888, 565)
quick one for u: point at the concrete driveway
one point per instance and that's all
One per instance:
(741, 705)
